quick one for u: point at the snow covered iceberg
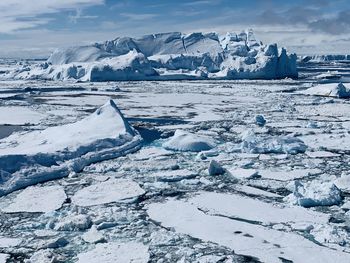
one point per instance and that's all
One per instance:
(37, 156)
(167, 56)
(337, 90)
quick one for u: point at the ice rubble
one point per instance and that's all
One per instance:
(116, 252)
(282, 144)
(167, 56)
(37, 156)
(337, 90)
(314, 193)
(185, 141)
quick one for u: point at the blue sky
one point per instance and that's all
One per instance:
(34, 28)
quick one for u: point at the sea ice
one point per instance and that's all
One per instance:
(268, 245)
(113, 190)
(34, 199)
(185, 141)
(116, 252)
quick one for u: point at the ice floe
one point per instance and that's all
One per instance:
(113, 190)
(268, 245)
(116, 252)
(33, 157)
(34, 199)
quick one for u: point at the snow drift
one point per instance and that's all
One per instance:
(38, 156)
(167, 56)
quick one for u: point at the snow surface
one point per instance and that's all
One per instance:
(29, 158)
(167, 56)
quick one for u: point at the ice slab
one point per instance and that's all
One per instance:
(35, 199)
(33, 157)
(343, 183)
(113, 190)
(243, 173)
(116, 252)
(285, 175)
(14, 115)
(240, 207)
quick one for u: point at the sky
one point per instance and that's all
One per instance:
(34, 28)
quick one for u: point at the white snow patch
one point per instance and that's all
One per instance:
(14, 115)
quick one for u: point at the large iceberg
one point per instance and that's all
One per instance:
(167, 56)
(37, 156)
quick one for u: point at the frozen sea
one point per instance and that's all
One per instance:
(258, 171)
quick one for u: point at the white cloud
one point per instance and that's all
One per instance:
(19, 14)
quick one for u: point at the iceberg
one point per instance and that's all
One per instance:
(166, 56)
(38, 156)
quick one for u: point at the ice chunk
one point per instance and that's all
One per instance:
(35, 199)
(260, 120)
(116, 252)
(314, 194)
(329, 90)
(285, 175)
(4, 257)
(93, 236)
(185, 141)
(73, 223)
(254, 144)
(215, 168)
(343, 183)
(113, 190)
(37, 156)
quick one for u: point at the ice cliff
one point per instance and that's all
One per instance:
(167, 56)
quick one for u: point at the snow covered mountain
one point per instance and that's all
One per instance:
(167, 56)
